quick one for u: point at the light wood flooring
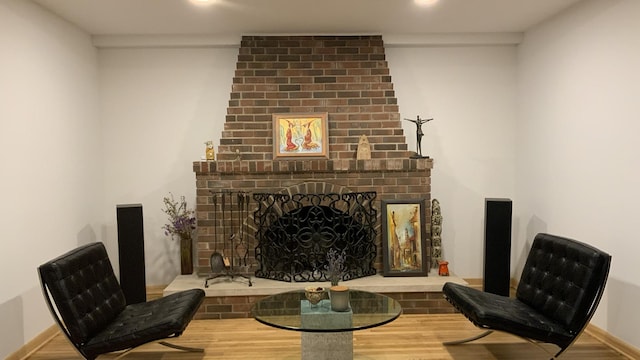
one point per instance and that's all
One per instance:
(412, 337)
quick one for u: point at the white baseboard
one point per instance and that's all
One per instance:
(613, 342)
(36, 343)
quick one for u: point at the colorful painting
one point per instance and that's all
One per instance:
(300, 135)
(404, 239)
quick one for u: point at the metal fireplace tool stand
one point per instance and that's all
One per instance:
(222, 266)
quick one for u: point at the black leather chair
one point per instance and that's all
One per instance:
(558, 293)
(85, 299)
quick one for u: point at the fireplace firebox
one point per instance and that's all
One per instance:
(295, 232)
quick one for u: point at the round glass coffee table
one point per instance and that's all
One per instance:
(326, 334)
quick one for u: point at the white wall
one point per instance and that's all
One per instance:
(578, 165)
(49, 157)
(470, 92)
(159, 106)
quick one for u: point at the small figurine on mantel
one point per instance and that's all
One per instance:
(364, 148)
(419, 134)
(209, 152)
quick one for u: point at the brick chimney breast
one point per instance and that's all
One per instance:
(346, 77)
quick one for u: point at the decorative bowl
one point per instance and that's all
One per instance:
(314, 294)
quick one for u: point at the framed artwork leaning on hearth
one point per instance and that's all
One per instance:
(404, 239)
(300, 135)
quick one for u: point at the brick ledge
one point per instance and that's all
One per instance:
(311, 165)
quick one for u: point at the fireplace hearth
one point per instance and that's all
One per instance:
(295, 232)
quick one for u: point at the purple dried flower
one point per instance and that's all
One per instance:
(181, 219)
(335, 265)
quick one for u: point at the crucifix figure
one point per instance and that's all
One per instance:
(419, 134)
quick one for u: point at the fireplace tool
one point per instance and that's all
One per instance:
(223, 266)
(217, 259)
(242, 251)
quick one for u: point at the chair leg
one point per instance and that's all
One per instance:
(180, 347)
(473, 338)
(538, 344)
(164, 343)
(123, 354)
(562, 349)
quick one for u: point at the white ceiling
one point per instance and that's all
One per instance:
(182, 17)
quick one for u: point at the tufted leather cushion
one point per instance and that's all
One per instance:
(497, 312)
(144, 322)
(85, 290)
(560, 287)
(561, 279)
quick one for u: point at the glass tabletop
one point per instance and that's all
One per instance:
(291, 311)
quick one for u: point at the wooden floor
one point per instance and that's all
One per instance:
(412, 337)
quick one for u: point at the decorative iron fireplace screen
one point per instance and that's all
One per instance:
(295, 232)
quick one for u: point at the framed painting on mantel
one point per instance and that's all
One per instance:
(300, 136)
(404, 240)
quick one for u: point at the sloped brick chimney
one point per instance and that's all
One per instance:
(344, 76)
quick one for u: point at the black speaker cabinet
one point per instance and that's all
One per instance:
(497, 246)
(131, 253)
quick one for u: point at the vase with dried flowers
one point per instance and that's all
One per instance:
(182, 222)
(335, 267)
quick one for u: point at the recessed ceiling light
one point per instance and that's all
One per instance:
(425, 2)
(203, 2)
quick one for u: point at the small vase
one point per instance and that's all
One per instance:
(186, 255)
(443, 268)
(339, 298)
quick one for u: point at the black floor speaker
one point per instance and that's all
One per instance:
(497, 246)
(131, 252)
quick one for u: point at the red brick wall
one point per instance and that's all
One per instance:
(233, 307)
(391, 179)
(346, 77)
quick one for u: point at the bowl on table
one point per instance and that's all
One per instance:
(314, 294)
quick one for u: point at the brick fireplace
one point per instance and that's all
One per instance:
(344, 76)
